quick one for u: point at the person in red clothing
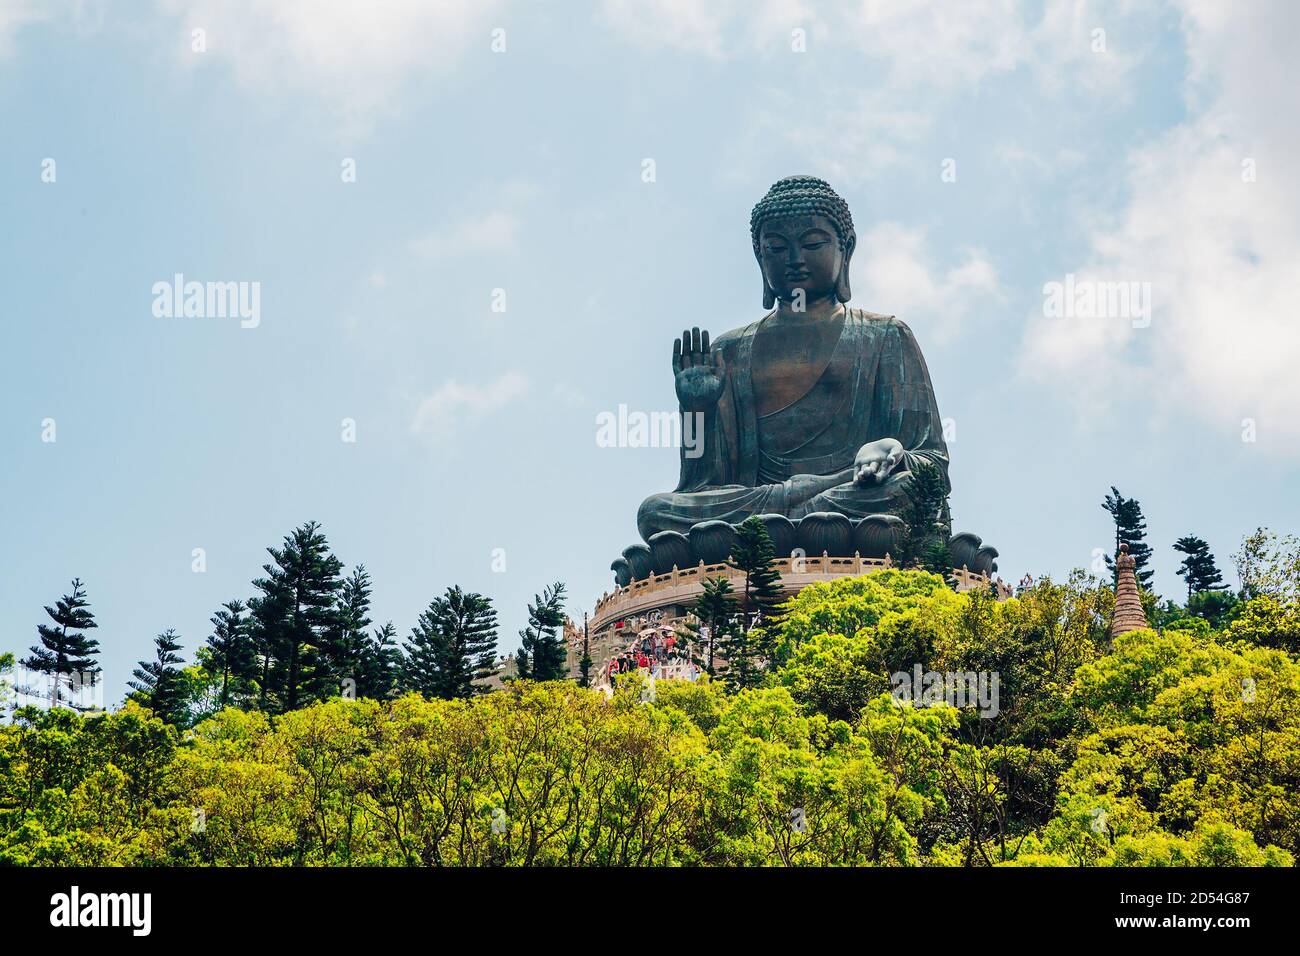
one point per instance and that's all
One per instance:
(643, 661)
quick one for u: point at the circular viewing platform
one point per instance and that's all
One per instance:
(681, 586)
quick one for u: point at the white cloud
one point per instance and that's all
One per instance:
(713, 28)
(911, 43)
(14, 15)
(1015, 156)
(890, 274)
(950, 44)
(568, 394)
(1222, 254)
(84, 16)
(915, 56)
(873, 133)
(956, 45)
(496, 231)
(454, 405)
(355, 55)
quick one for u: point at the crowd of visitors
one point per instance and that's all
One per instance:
(654, 651)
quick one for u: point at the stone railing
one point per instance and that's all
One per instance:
(682, 584)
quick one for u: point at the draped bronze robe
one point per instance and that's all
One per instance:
(799, 459)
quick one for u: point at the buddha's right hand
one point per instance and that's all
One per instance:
(701, 373)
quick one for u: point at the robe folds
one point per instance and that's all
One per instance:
(799, 459)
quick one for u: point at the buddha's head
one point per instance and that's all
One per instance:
(803, 239)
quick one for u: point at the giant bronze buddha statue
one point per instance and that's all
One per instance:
(815, 407)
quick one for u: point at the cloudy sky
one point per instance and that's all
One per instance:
(590, 166)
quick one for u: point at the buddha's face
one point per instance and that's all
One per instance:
(800, 252)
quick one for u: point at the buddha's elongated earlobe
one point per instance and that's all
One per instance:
(769, 297)
(842, 290)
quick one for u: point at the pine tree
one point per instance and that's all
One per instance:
(381, 665)
(422, 660)
(926, 522)
(752, 555)
(349, 648)
(266, 627)
(937, 559)
(542, 656)
(159, 683)
(584, 665)
(295, 620)
(230, 651)
(6, 684)
(747, 645)
(65, 653)
(1216, 606)
(453, 642)
(1130, 529)
(716, 611)
(1198, 568)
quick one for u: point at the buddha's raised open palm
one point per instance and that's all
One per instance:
(701, 372)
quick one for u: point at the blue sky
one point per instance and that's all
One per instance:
(1157, 151)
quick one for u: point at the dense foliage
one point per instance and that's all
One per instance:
(1171, 747)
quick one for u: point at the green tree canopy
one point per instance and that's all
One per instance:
(453, 643)
(1130, 529)
(159, 684)
(1198, 568)
(65, 654)
(295, 620)
(541, 654)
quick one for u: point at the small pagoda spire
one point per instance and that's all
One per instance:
(1128, 615)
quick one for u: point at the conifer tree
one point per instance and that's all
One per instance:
(348, 649)
(295, 619)
(716, 611)
(584, 664)
(1198, 568)
(421, 660)
(159, 683)
(6, 683)
(752, 555)
(1130, 529)
(541, 655)
(230, 652)
(381, 665)
(747, 645)
(937, 559)
(266, 616)
(926, 523)
(453, 642)
(65, 653)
